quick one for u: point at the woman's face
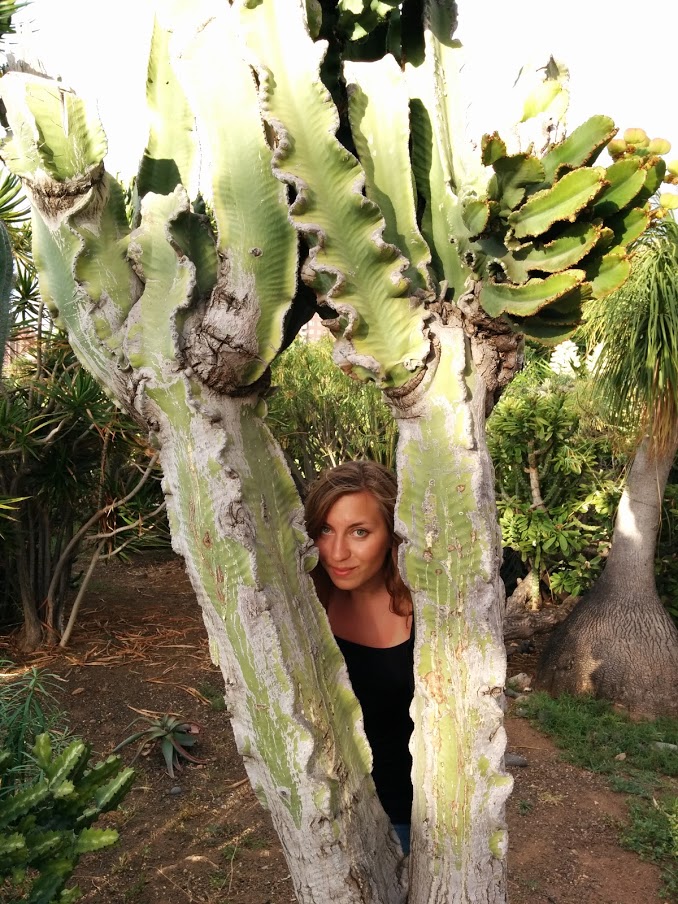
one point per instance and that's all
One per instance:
(354, 542)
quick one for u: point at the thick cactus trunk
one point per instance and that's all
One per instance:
(237, 521)
(451, 558)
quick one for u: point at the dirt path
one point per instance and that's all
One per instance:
(204, 838)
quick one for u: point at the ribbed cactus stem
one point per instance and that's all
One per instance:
(237, 521)
(450, 557)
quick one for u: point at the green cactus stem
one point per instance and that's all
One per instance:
(450, 558)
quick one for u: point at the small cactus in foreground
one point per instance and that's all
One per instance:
(174, 735)
(46, 825)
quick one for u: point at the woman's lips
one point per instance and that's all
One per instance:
(341, 572)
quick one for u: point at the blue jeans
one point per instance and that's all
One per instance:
(402, 830)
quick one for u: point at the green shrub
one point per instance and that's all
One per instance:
(28, 708)
(557, 482)
(666, 563)
(46, 824)
(321, 417)
(69, 452)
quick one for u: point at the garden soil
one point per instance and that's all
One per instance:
(202, 837)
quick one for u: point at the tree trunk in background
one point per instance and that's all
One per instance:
(620, 642)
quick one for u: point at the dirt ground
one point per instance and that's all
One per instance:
(203, 837)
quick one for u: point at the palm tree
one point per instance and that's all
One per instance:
(620, 643)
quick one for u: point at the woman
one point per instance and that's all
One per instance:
(349, 516)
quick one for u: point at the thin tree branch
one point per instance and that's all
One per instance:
(135, 526)
(94, 518)
(68, 630)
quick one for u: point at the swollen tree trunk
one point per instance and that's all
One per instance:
(620, 642)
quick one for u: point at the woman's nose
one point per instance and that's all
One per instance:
(340, 550)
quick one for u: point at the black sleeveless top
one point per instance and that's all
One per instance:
(383, 682)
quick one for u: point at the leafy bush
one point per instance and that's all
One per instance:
(46, 824)
(666, 563)
(69, 452)
(28, 708)
(321, 417)
(557, 482)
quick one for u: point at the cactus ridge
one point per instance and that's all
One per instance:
(523, 301)
(608, 272)
(625, 179)
(385, 158)
(563, 252)
(580, 148)
(57, 111)
(350, 265)
(563, 201)
(514, 175)
(170, 154)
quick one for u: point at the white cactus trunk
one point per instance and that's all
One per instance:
(294, 717)
(450, 559)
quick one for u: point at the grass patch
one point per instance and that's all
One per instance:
(639, 759)
(215, 695)
(28, 707)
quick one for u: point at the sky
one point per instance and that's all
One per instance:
(618, 65)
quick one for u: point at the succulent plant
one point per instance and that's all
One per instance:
(171, 733)
(340, 180)
(47, 824)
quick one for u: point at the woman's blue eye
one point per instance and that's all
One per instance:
(324, 529)
(360, 532)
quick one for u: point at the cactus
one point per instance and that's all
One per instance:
(429, 262)
(47, 825)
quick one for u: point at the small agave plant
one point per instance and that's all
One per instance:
(172, 733)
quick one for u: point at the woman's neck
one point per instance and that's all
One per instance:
(367, 617)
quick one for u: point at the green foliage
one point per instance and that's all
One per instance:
(636, 374)
(173, 735)
(213, 695)
(638, 758)
(47, 824)
(68, 452)
(653, 833)
(321, 417)
(14, 255)
(5, 290)
(666, 562)
(592, 734)
(557, 483)
(7, 9)
(28, 708)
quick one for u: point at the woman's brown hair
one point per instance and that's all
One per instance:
(358, 477)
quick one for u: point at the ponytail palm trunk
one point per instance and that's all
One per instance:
(428, 262)
(620, 642)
